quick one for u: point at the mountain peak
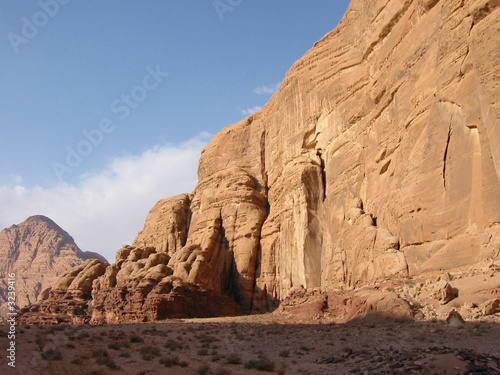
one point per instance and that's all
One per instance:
(38, 251)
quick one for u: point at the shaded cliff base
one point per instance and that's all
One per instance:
(138, 288)
(251, 344)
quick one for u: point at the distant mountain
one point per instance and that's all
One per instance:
(38, 251)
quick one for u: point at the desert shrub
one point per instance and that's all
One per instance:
(114, 346)
(206, 339)
(216, 357)
(203, 370)
(173, 345)
(52, 355)
(203, 352)
(261, 364)
(169, 361)
(103, 358)
(116, 335)
(233, 359)
(149, 352)
(281, 370)
(124, 355)
(284, 353)
(136, 338)
(417, 304)
(96, 372)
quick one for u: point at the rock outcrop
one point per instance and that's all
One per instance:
(67, 301)
(38, 251)
(138, 287)
(377, 158)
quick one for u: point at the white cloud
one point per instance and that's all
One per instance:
(109, 208)
(267, 89)
(249, 111)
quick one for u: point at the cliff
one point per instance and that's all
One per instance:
(377, 158)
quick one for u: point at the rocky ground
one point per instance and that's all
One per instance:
(397, 326)
(272, 343)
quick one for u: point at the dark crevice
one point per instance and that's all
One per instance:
(445, 156)
(263, 162)
(319, 153)
(257, 266)
(187, 223)
(230, 275)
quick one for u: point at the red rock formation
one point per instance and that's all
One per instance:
(68, 299)
(38, 251)
(139, 287)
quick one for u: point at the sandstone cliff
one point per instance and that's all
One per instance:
(378, 158)
(38, 251)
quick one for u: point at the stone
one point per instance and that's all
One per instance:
(454, 319)
(38, 251)
(490, 307)
(444, 292)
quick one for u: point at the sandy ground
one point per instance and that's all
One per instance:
(255, 344)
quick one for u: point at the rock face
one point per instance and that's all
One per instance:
(378, 158)
(38, 251)
(67, 301)
(138, 287)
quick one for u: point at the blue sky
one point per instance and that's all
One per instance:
(99, 95)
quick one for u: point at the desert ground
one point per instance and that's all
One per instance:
(271, 343)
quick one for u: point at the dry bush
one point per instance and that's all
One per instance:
(261, 364)
(233, 359)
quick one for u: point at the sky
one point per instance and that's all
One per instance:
(106, 105)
